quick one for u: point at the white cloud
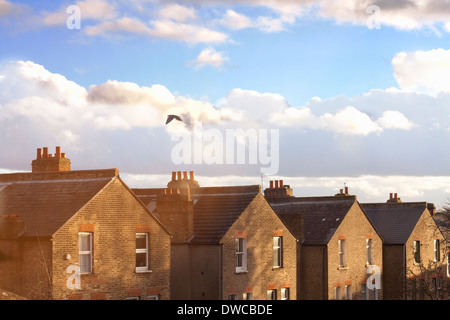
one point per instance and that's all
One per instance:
(90, 9)
(395, 120)
(211, 57)
(426, 71)
(177, 12)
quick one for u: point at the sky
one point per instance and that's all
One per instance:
(322, 94)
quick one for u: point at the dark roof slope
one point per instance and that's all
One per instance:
(395, 221)
(321, 215)
(44, 202)
(215, 208)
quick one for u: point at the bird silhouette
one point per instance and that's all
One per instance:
(170, 117)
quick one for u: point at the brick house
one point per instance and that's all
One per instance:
(227, 242)
(414, 249)
(340, 247)
(79, 235)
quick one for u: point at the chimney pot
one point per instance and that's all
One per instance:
(185, 175)
(39, 153)
(281, 184)
(58, 152)
(391, 195)
(191, 175)
(174, 176)
(179, 175)
(395, 196)
(346, 190)
(276, 184)
(45, 155)
(63, 155)
(341, 191)
(271, 184)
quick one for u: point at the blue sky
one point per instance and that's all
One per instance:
(368, 107)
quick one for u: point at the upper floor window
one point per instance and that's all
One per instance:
(241, 254)
(416, 245)
(342, 253)
(141, 251)
(277, 252)
(369, 251)
(437, 255)
(85, 251)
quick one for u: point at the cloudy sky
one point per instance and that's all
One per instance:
(349, 92)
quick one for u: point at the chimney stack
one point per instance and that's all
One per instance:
(394, 198)
(46, 162)
(278, 190)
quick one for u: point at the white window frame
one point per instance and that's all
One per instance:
(277, 252)
(342, 252)
(153, 297)
(364, 291)
(272, 294)
(247, 296)
(85, 252)
(285, 294)
(144, 250)
(241, 254)
(437, 248)
(369, 251)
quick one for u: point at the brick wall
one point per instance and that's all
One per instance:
(114, 216)
(355, 229)
(259, 224)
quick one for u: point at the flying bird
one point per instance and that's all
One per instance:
(170, 117)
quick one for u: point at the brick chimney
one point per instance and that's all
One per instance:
(394, 198)
(181, 180)
(45, 162)
(278, 191)
(175, 206)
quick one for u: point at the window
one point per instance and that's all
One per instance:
(437, 255)
(153, 297)
(232, 296)
(369, 251)
(272, 294)
(363, 291)
(141, 251)
(416, 245)
(247, 296)
(337, 293)
(241, 254)
(85, 251)
(277, 252)
(341, 248)
(348, 292)
(284, 293)
(448, 264)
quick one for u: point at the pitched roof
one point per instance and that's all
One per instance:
(215, 208)
(395, 221)
(321, 216)
(45, 201)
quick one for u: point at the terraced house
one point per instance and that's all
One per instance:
(79, 235)
(415, 255)
(341, 252)
(227, 242)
